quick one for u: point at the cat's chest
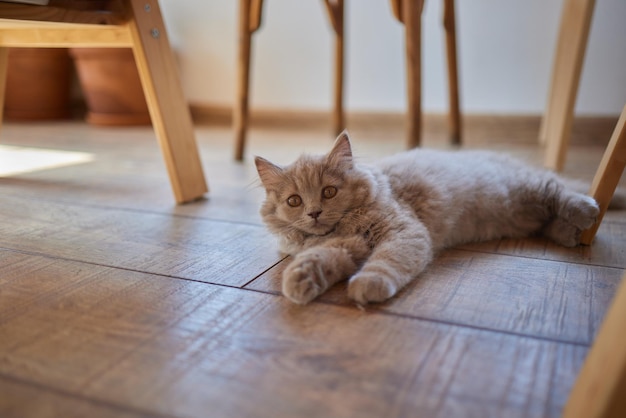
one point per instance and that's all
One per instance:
(371, 227)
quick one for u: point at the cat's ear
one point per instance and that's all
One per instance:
(341, 154)
(270, 174)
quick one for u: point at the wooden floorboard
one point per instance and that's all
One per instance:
(608, 249)
(24, 399)
(532, 297)
(195, 249)
(116, 302)
(172, 347)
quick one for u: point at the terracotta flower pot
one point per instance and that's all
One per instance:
(38, 84)
(111, 86)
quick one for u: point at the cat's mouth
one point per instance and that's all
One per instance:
(320, 229)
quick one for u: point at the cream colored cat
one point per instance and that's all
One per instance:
(380, 226)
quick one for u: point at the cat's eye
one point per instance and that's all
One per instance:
(329, 192)
(294, 201)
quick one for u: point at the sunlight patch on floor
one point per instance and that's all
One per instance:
(20, 160)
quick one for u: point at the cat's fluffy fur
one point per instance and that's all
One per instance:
(380, 226)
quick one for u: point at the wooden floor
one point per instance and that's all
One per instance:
(114, 302)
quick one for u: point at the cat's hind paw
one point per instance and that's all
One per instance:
(303, 281)
(367, 287)
(581, 211)
(579, 214)
(563, 233)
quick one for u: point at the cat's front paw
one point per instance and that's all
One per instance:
(303, 280)
(368, 287)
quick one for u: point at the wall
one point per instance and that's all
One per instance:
(506, 49)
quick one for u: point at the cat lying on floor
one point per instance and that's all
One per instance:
(380, 226)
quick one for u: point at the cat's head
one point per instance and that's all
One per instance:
(314, 194)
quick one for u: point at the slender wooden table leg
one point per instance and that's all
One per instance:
(556, 124)
(608, 174)
(4, 60)
(167, 105)
(601, 385)
(411, 15)
(335, 11)
(449, 24)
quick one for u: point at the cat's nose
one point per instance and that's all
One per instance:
(315, 214)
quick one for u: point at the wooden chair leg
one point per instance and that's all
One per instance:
(335, 11)
(339, 116)
(449, 24)
(556, 125)
(411, 12)
(396, 9)
(168, 109)
(250, 12)
(608, 175)
(240, 115)
(4, 60)
(601, 385)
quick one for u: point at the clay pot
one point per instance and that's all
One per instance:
(110, 83)
(38, 84)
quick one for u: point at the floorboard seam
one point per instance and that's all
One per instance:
(169, 276)
(381, 311)
(487, 329)
(528, 257)
(264, 271)
(78, 396)
(135, 210)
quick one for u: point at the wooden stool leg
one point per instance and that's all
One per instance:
(335, 11)
(449, 24)
(601, 384)
(411, 15)
(167, 105)
(556, 124)
(608, 175)
(4, 60)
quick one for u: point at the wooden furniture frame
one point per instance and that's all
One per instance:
(608, 174)
(599, 391)
(601, 384)
(118, 23)
(556, 124)
(407, 12)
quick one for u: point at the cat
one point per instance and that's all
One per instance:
(380, 225)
